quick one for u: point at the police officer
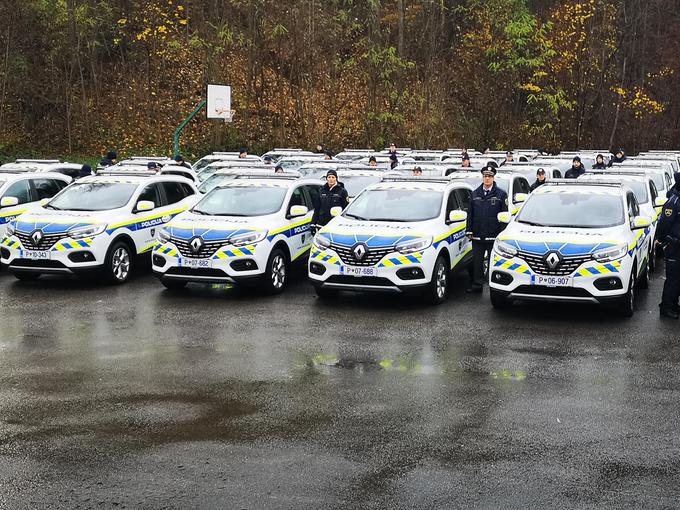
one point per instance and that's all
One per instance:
(619, 157)
(85, 171)
(179, 159)
(668, 232)
(576, 169)
(540, 179)
(599, 163)
(482, 224)
(108, 160)
(332, 194)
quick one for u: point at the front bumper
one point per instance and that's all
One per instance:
(591, 282)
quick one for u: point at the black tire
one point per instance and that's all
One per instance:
(118, 264)
(174, 284)
(435, 292)
(26, 276)
(276, 275)
(626, 304)
(498, 299)
(323, 293)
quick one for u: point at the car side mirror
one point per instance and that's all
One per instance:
(9, 201)
(504, 217)
(521, 197)
(298, 210)
(457, 216)
(641, 222)
(660, 202)
(336, 211)
(145, 205)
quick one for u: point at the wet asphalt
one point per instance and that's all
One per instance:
(139, 397)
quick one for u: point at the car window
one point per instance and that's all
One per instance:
(173, 192)
(633, 209)
(314, 192)
(451, 203)
(521, 186)
(71, 172)
(653, 191)
(297, 197)
(188, 190)
(464, 196)
(20, 190)
(150, 193)
(46, 188)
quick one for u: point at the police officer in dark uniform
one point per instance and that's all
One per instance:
(482, 223)
(179, 159)
(668, 232)
(332, 194)
(108, 160)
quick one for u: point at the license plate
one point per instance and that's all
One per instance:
(35, 255)
(358, 271)
(552, 281)
(196, 263)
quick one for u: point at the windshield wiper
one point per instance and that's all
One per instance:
(532, 223)
(198, 211)
(391, 219)
(356, 217)
(48, 206)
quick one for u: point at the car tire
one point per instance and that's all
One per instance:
(276, 275)
(435, 293)
(26, 276)
(324, 293)
(626, 304)
(118, 264)
(174, 284)
(498, 299)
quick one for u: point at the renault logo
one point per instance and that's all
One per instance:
(196, 244)
(553, 259)
(36, 237)
(359, 251)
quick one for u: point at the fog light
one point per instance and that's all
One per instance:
(410, 273)
(158, 260)
(608, 283)
(501, 278)
(4, 252)
(81, 256)
(316, 268)
(244, 265)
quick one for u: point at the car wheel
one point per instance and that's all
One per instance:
(26, 276)
(436, 290)
(626, 306)
(173, 284)
(118, 265)
(499, 300)
(276, 275)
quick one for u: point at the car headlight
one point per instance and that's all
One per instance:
(249, 238)
(504, 249)
(80, 233)
(164, 235)
(413, 246)
(9, 231)
(610, 254)
(321, 242)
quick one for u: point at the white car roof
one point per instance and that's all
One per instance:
(134, 179)
(10, 177)
(274, 180)
(598, 187)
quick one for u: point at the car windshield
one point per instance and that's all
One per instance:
(242, 201)
(396, 205)
(93, 196)
(355, 184)
(207, 172)
(202, 163)
(215, 180)
(572, 209)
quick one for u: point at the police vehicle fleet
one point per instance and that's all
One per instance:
(404, 234)
(576, 241)
(96, 223)
(245, 231)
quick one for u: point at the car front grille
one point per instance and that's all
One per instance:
(45, 243)
(207, 250)
(566, 267)
(372, 257)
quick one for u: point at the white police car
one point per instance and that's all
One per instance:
(573, 241)
(404, 234)
(22, 192)
(246, 231)
(99, 222)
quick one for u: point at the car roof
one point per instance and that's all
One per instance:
(285, 180)
(601, 187)
(133, 179)
(8, 177)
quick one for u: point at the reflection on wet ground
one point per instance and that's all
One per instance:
(137, 396)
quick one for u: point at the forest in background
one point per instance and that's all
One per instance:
(81, 76)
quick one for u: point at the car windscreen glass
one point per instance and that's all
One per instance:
(202, 163)
(242, 201)
(355, 184)
(213, 181)
(572, 209)
(93, 196)
(396, 205)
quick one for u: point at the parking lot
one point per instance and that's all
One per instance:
(136, 396)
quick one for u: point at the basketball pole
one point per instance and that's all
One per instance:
(181, 127)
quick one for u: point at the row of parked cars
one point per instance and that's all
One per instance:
(585, 240)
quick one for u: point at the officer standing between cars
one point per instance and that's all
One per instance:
(179, 159)
(482, 223)
(109, 159)
(576, 169)
(599, 163)
(668, 232)
(85, 171)
(540, 179)
(619, 157)
(332, 194)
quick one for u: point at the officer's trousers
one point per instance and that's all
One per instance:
(479, 248)
(671, 288)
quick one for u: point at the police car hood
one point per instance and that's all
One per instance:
(56, 221)
(567, 241)
(213, 228)
(375, 234)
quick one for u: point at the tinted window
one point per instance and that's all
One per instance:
(20, 190)
(451, 203)
(188, 190)
(296, 198)
(521, 186)
(71, 172)
(94, 196)
(633, 209)
(464, 196)
(174, 192)
(151, 194)
(313, 194)
(46, 188)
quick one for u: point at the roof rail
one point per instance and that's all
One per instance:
(129, 173)
(576, 182)
(271, 175)
(41, 161)
(621, 172)
(150, 158)
(414, 178)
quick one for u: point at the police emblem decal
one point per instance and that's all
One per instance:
(668, 212)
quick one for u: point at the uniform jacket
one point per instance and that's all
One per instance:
(482, 220)
(669, 223)
(574, 173)
(600, 166)
(329, 198)
(537, 184)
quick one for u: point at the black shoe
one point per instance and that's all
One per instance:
(669, 312)
(474, 288)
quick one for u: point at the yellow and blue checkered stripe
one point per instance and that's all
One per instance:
(511, 266)
(72, 245)
(231, 252)
(322, 256)
(164, 249)
(10, 243)
(414, 258)
(612, 267)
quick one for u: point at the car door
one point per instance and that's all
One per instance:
(22, 191)
(640, 236)
(299, 226)
(312, 193)
(519, 185)
(146, 224)
(452, 204)
(464, 196)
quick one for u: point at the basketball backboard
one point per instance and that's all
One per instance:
(219, 102)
